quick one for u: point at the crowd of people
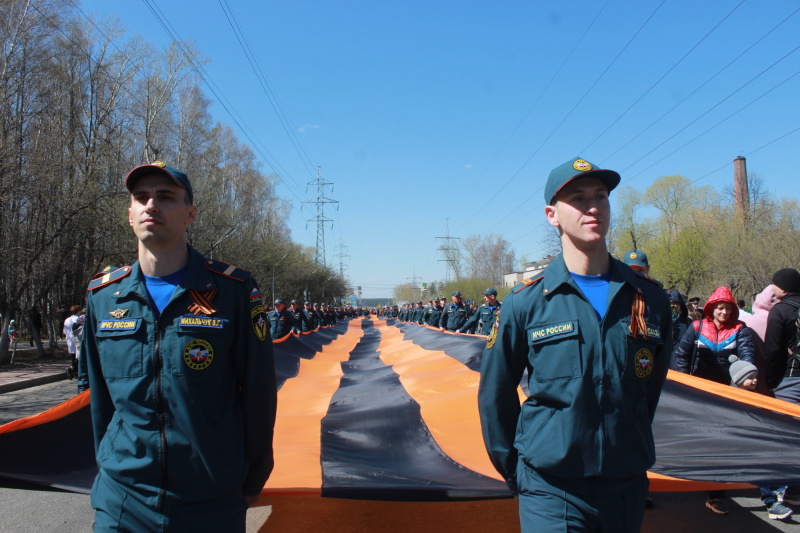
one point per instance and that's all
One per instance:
(719, 340)
(296, 319)
(177, 351)
(458, 316)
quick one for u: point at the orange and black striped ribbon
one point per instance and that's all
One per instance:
(202, 302)
(638, 325)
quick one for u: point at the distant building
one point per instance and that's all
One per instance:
(531, 271)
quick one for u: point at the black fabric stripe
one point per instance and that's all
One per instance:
(705, 437)
(289, 352)
(58, 454)
(465, 349)
(375, 444)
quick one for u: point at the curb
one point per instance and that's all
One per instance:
(32, 382)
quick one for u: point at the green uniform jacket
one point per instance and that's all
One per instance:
(485, 315)
(593, 386)
(454, 316)
(183, 406)
(280, 323)
(432, 316)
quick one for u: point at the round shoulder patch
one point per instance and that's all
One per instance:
(582, 165)
(643, 363)
(198, 354)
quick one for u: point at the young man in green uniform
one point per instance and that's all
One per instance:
(594, 337)
(177, 353)
(483, 318)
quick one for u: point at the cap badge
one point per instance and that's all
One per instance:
(633, 255)
(159, 164)
(582, 165)
(118, 313)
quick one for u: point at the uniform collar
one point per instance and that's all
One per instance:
(198, 278)
(556, 275)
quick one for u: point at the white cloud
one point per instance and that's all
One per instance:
(302, 129)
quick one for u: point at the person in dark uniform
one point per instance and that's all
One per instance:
(280, 320)
(433, 313)
(177, 353)
(595, 339)
(455, 314)
(484, 316)
(311, 317)
(299, 317)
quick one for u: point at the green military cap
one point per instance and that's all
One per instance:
(573, 169)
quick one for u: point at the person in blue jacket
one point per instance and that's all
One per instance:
(177, 354)
(280, 320)
(455, 314)
(595, 339)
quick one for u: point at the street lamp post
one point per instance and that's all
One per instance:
(275, 266)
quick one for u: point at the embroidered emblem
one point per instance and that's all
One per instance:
(259, 319)
(119, 313)
(255, 295)
(198, 354)
(643, 363)
(552, 330)
(582, 165)
(493, 334)
(633, 255)
(119, 325)
(200, 321)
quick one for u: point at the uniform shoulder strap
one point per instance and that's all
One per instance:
(229, 271)
(108, 275)
(645, 277)
(527, 282)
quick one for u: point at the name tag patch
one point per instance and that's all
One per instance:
(129, 324)
(552, 330)
(653, 332)
(201, 321)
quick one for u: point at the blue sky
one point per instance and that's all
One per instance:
(424, 111)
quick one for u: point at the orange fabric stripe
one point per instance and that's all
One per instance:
(446, 392)
(661, 483)
(59, 411)
(302, 403)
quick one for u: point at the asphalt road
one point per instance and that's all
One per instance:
(33, 509)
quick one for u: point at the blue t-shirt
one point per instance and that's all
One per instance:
(160, 289)
(595, 288)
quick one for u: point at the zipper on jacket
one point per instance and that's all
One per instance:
(162, 418)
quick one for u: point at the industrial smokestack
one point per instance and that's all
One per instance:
(741, 192)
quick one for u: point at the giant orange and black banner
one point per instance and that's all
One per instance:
(373, 409)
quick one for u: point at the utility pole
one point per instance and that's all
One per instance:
(320, 183)
(449, 250)
(414, 284)
(341, 255)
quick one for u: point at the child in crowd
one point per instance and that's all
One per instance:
(744, 375)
